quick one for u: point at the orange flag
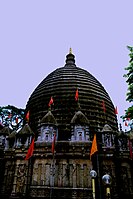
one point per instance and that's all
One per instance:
(76, 95)
(94, 146)
(53, 143)
(30, 150)
(51, 101)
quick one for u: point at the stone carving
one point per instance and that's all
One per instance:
(80, 133)
(20, 179)
(108, 140)
(10, 172)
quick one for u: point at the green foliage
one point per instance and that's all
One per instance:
(12, 117)
(129, 80)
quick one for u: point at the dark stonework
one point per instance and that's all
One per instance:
(61, 84)
(61, 193)
(60, 167)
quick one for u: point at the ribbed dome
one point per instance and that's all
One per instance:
(61, 84)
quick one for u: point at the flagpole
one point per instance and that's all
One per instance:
(29, 163)
(53, 152)
(98, 174)
(117, 115)
(52, 182)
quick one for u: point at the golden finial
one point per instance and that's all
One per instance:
(70, 51)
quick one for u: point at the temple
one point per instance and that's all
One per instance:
(66, 110)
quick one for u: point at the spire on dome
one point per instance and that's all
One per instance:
(70, 51)
(70, 58)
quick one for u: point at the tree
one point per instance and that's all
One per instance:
(129, 77)
(12, 117)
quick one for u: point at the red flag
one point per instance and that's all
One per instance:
(27, 116)
(76, 95)
(51, 101)
(126, 124)
(53, 143)
(94, 146)
(116, 110)
(16, 120)
(30, 150)
(103, 106)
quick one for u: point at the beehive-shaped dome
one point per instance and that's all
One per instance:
(62, 84)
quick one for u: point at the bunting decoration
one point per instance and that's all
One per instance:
(76, 95)
(103, 106)
(94, 146)
(50, 102)
(30, 150)
(53, 144)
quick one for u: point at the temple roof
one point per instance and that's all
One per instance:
(48, 119)
(12, 135)
(5, 131)
(61, 84)
(25, 131)
(107, 128)
(79, 118)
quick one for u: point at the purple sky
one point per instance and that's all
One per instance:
(35, 37)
